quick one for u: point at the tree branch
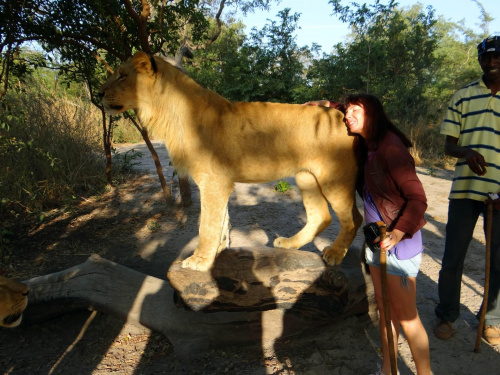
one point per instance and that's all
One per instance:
(132, 13)
(103, 62)
(146, 10)
(217, 32)
(5, 72)
(141, 22)
(156, 159)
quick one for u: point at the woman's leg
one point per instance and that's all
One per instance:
(403, 301)
(377, 285)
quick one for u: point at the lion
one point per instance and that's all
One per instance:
(13, 301)
(218, 143)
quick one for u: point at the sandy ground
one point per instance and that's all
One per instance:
(85, 343)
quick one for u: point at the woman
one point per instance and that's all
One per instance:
(393, 193)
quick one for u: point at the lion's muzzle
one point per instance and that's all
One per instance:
(12, 320)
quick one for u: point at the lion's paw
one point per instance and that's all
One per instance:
(284, 243)
(333, 256)
(277, 242)
(196, 263)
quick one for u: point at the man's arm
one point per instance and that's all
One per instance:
(474, 159)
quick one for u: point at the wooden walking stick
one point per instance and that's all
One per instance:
(386, 302)
(489, 218)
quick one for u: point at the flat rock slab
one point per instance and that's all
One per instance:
(263, 278)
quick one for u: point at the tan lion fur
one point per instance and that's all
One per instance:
(218, 143)
(13, 301)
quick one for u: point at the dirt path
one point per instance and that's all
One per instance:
(132, 227)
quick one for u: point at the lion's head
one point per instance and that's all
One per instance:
(13, 301)
(129, 86)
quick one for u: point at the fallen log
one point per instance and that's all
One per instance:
(251, 296)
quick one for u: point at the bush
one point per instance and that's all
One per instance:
(50, 149)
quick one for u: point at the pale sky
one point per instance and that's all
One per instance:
(319, 26)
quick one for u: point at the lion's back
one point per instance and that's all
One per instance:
(286, 128)
(280, 139)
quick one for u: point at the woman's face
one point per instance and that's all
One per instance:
(355, 119)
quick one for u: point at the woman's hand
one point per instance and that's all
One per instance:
(321, 103)
(327, 103)
(391, 239)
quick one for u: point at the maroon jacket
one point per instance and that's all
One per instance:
(392, 182)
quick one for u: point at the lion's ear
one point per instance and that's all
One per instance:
(143, 63)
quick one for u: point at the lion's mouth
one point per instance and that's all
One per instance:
(113, 109)
(11, 319)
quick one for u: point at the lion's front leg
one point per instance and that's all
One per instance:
(214, 227)
(224, 240)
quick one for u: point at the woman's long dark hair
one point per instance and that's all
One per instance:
(377, 124)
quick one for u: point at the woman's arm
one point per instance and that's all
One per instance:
(401, 168)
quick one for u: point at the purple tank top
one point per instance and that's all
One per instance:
(405, 249)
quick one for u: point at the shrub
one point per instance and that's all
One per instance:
(50, 150)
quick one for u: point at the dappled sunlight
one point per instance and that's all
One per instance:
(257, 215)
(430, 226)
(251, 237)
(150, 247)
(78, 338)
(471, 288)
(252, 194)
(148, 288)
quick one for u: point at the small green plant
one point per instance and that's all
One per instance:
(124, 162)
(282, 186)
(153, 225)
(432, 171)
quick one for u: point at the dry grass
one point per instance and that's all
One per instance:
(428, 143)
(50, 150)
(126, 132)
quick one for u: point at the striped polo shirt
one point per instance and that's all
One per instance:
(473, 117)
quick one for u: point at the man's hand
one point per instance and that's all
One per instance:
(474, 159)
(476, 162)
(495, 202)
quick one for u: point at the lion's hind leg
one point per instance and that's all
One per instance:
(343, 201)
(318, 215)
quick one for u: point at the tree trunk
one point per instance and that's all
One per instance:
(159, 170)
(185, 190)
(184, 186)
(107, 138)
(251, 296)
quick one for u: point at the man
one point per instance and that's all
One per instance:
(472, 129)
